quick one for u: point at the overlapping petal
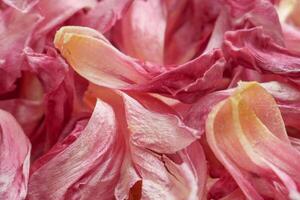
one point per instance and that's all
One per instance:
(140, 38)
(245, 131)
(148, 103)
(15, 158)
(102, 64)
(92, 153)
(160, 161)
(15, 33)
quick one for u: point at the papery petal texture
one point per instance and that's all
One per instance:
(105, 14)
(15, 33)
(158, 132)
(15, 158)
(21, 5)
(160, 159)
(56, 12)
(101, 63)
(97, 60)
(244, 134)
(141, 38)
(93, 156)
(256, 50)
(176, 176)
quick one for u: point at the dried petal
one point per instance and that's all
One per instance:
(15, 158)
(244, 132)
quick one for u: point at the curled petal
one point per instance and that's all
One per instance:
(15, 32)
(244, 132)
(94, 157)
(255, 50)
(15, 158)
(102, 64)
(97, 60)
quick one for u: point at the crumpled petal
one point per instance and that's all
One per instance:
(15, 32)
(189, 26)
(245, 135)
(28, 113)
(58, 97)
(161, 180)
(256, 13)
(102, 64)
(256, 50)
(93, 158)
(15, 158)
(154, 168)
(291, 37)
(189, 81)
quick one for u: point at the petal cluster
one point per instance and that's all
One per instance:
(150, 100)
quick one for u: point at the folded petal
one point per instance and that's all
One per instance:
(102, 64)
(15, 158)
(15, 32)
(245, 132)
(189, 26)
(163, 157)
(191, 80)
(93, 158)
(159, 132)
(97, 60)
(58, 88)
(256, 50)
(256, 13)
(140, 37)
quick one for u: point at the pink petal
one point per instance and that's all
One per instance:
(248, 137)
(189, 26)
(21, 5)
(145, 172)
(15, 157)
(94, 160)
(102, 64)
(159, 132)
(56, 12)
(58, 99)
(15, 33)
(256, 50)
(105, 14)
(141, 38)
